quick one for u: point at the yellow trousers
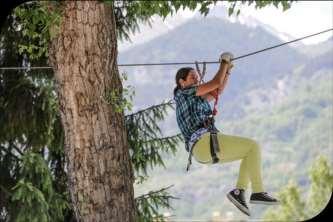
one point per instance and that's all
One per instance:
(235, 148)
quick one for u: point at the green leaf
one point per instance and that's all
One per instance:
(230, 11)
(238, 12)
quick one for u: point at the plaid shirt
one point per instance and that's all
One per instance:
(191, 111)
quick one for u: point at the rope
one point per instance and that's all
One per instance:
(203, 73)
(182, 63)
(272, 47)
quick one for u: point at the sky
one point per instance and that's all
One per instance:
(303, 18)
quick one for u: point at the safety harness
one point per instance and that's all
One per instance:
(213, 141)
(209, 125)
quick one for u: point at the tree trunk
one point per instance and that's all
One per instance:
(84, 59)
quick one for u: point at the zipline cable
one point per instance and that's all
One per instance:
(295, 40)
(183, 63)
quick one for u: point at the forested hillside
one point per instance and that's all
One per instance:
(74, 137)
(282, 98)
(204, 40)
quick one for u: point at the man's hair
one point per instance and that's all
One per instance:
(182, 73)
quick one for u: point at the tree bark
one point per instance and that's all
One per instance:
(84, 58)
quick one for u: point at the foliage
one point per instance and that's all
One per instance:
(33, 179)
(38, 23)
(258, 4)
(147, 144)
(32, 201)
(34, 192)
(293, 207)
(321, 176)
(282, 159)
(35, 125)
(148, 205)
(129, 14)
(144, 137)
(40, 20)
(34, 106)
(120, 99)
(33, 183)
(32, 160)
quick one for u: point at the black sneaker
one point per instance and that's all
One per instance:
(263, 198)
(236, 197)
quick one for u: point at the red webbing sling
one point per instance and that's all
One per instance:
(214, 144)
(216, 97)
(215, 94)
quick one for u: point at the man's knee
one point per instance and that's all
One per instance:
(254, 145)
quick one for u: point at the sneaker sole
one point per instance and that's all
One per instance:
(238, 205)
(264, 202)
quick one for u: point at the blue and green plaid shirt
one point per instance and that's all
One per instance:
(191, 111)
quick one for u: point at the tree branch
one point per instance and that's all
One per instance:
(155, 192)
(5, 190)
(165, 138)
(17, 149)
(149, 108)
(10, 153)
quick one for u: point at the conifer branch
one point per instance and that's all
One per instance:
(155, 192)
(150, 108)
(177, 136)
(9, 153)
(5, 190)
(147, 205)
(17, 149)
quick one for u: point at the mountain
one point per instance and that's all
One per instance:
(204, 40)
(291, 132)
(282, 98)
(315, 50)
(265, 97)
(147, 31)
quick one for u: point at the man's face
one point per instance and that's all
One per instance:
(191, 79)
